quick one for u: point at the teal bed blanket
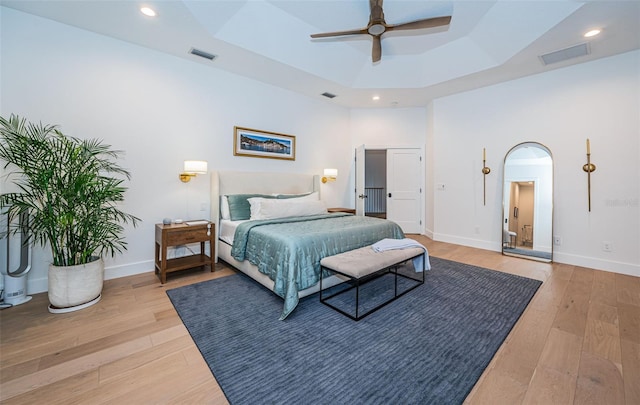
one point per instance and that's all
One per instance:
(289, 250)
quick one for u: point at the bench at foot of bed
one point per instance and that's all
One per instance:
(363, 265)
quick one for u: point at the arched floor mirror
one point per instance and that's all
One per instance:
(527, 203)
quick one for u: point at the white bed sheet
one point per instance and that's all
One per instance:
(228, 230)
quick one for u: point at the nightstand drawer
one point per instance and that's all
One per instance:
(184, 236)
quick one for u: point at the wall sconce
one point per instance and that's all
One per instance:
(485, 171)
(330, 175)
(589, 168)
(192, 168)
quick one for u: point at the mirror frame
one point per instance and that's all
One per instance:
(504, 208)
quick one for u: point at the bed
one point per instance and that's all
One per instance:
(283, 252)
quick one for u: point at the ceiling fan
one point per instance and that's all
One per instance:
(378, 26)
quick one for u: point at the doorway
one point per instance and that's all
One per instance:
(375, 187)
(521, 210)
(395, 188)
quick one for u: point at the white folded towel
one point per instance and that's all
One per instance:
(390, 244)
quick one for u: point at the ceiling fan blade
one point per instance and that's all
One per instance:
(376, 51)
(426, 23)
(340, 33)
(375, 8)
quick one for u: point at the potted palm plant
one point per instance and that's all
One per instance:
(70, 189)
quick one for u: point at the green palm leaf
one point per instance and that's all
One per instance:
(69, 187)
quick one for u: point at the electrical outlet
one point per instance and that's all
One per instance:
(477, 230)
(203, 206)
(607, 246)
(557, 240)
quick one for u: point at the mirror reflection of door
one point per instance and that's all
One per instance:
(528, 202)
(521, 209)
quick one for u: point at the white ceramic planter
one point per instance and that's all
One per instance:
(75, 287)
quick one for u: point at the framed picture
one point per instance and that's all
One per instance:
(263, 144)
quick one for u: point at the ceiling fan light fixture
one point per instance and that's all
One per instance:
(375, 98)
(377, 29)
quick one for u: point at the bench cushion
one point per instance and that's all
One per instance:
(364, 261)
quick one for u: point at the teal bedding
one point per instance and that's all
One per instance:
(289, 250)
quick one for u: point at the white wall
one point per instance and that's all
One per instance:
(161, 110)
(560, 109)
(404, 127)
(383, 128)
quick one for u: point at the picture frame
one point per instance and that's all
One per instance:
(263, 144)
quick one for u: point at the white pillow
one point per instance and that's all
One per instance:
(271, 209)
(315, 196)
(224, 207)
(256, 204)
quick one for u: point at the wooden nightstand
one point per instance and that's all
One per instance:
(347, 210)
(183, 234)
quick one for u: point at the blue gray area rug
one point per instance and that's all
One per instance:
(428, 347)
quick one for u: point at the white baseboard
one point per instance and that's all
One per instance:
(428, 233)
(598, 264)
(470, 242)
(39, 285)
(559, 257)
(130, 269)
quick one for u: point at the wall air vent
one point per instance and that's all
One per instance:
(567, 53)
(328, 95)
(202, 54)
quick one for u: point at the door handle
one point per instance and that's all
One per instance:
(389, 195)
(362, 196)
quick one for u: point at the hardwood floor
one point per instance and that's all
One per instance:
(578, 342)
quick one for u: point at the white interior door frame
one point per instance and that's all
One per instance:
(360, 180)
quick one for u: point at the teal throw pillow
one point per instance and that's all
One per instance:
(239, 206)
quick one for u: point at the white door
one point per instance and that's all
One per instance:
(404, 188)
(360, 192)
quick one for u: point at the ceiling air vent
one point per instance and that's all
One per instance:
(328, 95)
(202, 54)
(567, 53)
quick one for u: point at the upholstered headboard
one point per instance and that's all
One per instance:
(236, 182)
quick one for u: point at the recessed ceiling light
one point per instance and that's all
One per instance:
(148, 11)
(592, 33)
(375, 98)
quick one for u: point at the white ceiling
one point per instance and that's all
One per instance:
(487, 41)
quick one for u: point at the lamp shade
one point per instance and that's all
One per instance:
(331, 173)
(195, 166)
